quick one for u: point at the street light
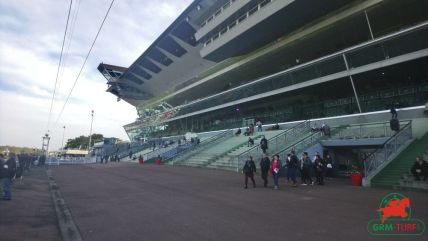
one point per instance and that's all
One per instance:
(90, 131)
(62, 143)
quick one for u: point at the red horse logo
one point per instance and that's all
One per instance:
(395, 208)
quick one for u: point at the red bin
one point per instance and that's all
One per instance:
(356, 179)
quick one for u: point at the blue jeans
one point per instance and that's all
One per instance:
(275, 178)
(7, 188)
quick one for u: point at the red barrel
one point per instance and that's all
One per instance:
(356, 179)
(158, 162)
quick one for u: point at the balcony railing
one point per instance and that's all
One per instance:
(370, 130)
(234, 23)
(393, 45)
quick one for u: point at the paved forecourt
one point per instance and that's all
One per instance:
(123, 201)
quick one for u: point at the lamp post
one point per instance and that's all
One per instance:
(45, 147)
(62, 143)
(90, 131)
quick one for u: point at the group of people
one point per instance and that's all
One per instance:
(13, 166)
(307, 168)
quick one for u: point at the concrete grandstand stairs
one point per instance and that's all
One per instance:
(203, 157)
(409, 183)
(395, 175)
(229, 161)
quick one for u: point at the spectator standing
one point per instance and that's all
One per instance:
(249, 169)
(9, 169)
(264, 167)
(420, 169)
(329, 166)
(319, 169)
(264, 144)
(287, 164)
(305, 164)
(275, 166)
(393, 112)
(293, 164)
(259, 126)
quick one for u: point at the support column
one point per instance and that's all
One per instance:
(352, 83)
(368, 24)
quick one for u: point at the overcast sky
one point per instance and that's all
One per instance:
(31, 33)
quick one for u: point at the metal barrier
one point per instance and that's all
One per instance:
(370, 130)
(382, 156)
(70, 160)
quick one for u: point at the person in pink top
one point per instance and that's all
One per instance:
(275, 167)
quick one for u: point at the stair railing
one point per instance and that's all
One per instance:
(201, 145)
(383, 155)
(275, 143)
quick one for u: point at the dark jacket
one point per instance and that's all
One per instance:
(294, 161)
(249, 167)
(319, 165)
(265, 164)
(9, 168)
(305, 162)
(264, 143)
(423, 167)
(2, 162)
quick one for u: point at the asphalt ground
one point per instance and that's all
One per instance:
(123, 201)
(30, 215)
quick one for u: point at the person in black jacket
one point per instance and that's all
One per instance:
(9, 169)
(249, 169)
(420, 169)
(319, 169)
(305, 165)
(264, 144)
(264, 167)
(292, 167)
(2, 162)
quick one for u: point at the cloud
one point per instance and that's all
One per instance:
(31, 39)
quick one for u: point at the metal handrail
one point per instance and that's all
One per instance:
(202, 143)
(382, 155)
(364, 129)
(307, 141)
(306, 122)
(306, 129)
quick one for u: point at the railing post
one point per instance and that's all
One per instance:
(385, 129)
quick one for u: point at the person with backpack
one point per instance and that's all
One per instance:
(249, 169)
(264, 167)
(9, 170)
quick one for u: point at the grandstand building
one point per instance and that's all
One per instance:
(226, 63)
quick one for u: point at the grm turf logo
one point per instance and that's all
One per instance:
(395, 218)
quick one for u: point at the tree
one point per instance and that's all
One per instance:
(81, 142)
